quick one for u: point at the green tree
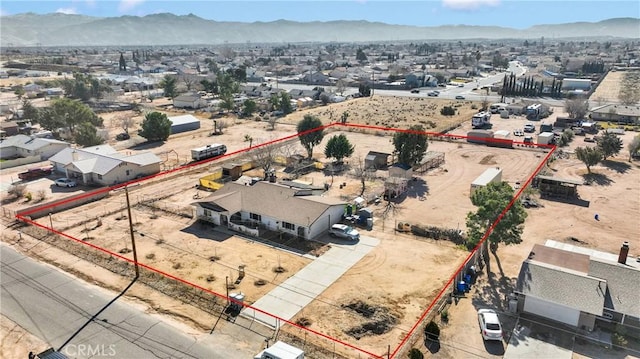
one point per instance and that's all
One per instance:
(364, 90)
(590, 156)
(19, 91)
(249, 107)
(227, 102)
(415, 353)
(209, 86)
(492, 201)
(634, 147)
(156, 126)
(338, 147)
(65, 112)
(29, 112)
(227, 84)
(310, 133)
(274, 101)
(169, 86)
(410, 145)
(361, 56)
(86, 135)
(609, 144)
(285, 103)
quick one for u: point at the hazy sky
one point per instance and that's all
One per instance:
(508, 13)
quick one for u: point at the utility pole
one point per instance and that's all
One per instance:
(133, 239)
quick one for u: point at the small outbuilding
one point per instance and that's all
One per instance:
(184, 123)
(493, 174)
(376, 160)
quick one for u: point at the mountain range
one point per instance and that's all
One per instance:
(31, 29)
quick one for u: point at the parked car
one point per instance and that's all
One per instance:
(490, 327)
(459, 97)
(415, 91)
(65, 182)
(344, 231)
(460, 85)
(529, 127)
(122, 136)
(518, 132)
(432, 94)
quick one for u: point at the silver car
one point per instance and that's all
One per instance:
(344, 231)
(489, 324)
(65, 182)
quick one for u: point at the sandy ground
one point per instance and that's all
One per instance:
(16, 342)
(413, 269)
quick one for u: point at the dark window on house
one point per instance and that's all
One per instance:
(287, 225)
(99, 177)
(255, 217)
(207, 212)
(128, 172)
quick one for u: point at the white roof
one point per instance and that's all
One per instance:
(179, 120)
(284, 351)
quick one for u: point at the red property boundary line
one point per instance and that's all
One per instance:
(23, 216)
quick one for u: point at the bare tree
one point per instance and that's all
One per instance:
(272, 121)
(189, 81)
(264, 156)
(361, 172)
(577, 108)
(341, 86)
(125, 122)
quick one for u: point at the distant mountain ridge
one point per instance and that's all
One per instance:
(31, 29)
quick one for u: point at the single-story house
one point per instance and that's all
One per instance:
(103, 165)
(192, 101)
(252, 209)
(616, 113)
(579, 286)
(27, 146)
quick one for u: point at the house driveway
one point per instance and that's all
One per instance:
(286, 300)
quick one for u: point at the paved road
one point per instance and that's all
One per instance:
(450, 92)
(303, 287)
(54, 305)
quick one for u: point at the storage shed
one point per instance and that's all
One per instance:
(376, 160)
(184, 123)
(493, 174)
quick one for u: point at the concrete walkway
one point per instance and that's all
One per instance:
(296, 292)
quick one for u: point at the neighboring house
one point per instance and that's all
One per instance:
(188, 101)
(254, 209)
(26, 146)
(10, 128)
(103, 165)
(576, 84)
(580, 286)
(616, 113)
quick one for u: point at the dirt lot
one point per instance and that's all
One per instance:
(413, 269)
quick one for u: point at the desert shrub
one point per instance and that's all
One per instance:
(177, 265)
(28, 196)
(41, 195)
(415, 353)
(444, 315)
(17, 190)
(447, 111)
(150, 256)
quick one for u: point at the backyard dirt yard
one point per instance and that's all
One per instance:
(398, 279)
